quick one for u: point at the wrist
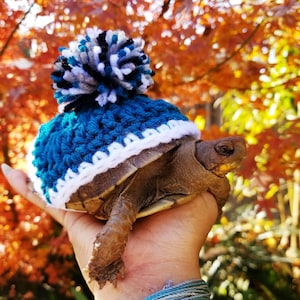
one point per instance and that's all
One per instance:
(147, 279)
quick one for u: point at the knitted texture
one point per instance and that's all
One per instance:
(104, 64)
(191, 290)
(75, 146)
(104, 118)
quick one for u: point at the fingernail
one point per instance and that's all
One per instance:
(5, 169)
(30, 185)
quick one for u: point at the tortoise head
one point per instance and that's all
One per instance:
(221, 156)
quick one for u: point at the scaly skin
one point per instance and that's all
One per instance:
(221, 156)
(106, 263)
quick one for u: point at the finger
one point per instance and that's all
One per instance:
(20, 182)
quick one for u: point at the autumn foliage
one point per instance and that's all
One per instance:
(231, 66)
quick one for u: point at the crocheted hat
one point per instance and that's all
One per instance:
(104, 118)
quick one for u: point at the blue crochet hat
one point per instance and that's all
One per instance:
(104, 117)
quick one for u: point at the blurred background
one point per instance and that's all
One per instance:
(233, 67)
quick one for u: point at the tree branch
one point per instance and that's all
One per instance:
(15, 29)
(217, 66)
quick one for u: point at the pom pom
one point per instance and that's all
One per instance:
(102, 66)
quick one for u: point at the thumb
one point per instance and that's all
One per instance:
(21, 183)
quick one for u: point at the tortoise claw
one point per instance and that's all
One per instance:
(110, 273)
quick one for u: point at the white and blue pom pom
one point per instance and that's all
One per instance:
(102, 66)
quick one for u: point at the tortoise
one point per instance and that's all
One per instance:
(117, 154)
(156, 179)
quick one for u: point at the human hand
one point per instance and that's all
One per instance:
(162, 247)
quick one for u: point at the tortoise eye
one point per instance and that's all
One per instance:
(225, 148)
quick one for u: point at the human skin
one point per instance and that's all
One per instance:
(161, 248)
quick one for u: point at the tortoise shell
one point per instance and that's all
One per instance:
(91, 197)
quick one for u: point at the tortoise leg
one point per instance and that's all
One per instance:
(106, 263)
(220, 189)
